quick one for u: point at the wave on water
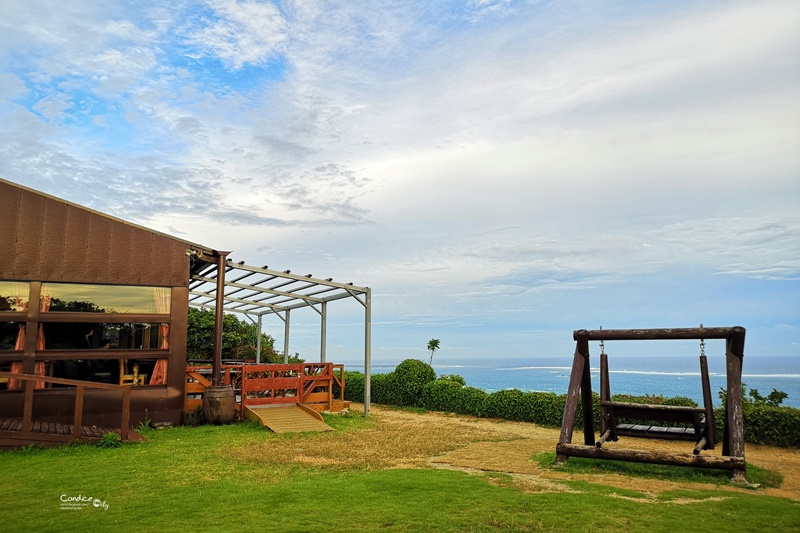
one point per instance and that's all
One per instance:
(794, 376)
(654, 372)
(536, 368)
(448, 366)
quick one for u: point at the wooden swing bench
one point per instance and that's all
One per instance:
(697, 423)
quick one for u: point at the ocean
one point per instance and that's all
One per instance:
(667, 376)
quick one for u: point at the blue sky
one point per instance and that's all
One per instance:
(499, 172)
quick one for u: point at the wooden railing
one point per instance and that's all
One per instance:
(80, 388)
(271, 384)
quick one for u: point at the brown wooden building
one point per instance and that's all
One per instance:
(93, 302)
(86, 296)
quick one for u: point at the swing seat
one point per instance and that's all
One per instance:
(702, 430)
(661, 413)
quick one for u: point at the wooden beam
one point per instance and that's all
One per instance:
(650, 334)
(654, 457)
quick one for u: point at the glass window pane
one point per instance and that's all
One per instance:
(9, 335)
(14, 296)
(105, 298)
(136, 372)
(83, 336)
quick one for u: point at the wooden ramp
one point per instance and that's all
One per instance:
(287, 418)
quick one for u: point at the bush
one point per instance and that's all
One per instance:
(455, 378)
(778, 426)
(543, 408)
(451, 396)
(505, 404)
(381, 388)
(353, 386)
(764, 424)
(407, 382)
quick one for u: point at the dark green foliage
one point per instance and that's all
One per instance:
(407, 381)
(353, 386)
(454, 377)
(451, 396)
(110, 440)
(544, 408)
(238, 339)
(778, 426)
(504, 404)
(773, 399)
(763, 424)
(380, 388)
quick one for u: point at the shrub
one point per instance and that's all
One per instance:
(455, 378)
(353, 386)
(778, 426)
(381, 388)
(450, 396)
(407, 381)
(543, 408)
(505, 404)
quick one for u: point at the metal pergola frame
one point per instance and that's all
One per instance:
(258, 291)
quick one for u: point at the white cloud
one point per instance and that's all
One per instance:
(243, 32)
(458, 157)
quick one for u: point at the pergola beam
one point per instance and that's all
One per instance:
(275, 292)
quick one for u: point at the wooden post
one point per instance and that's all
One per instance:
(27, 409)
(218, 316)
(586, 395)
(126, 413)
(735, 417)
(571, 405)
(77, 418)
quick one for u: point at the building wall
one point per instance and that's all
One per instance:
(44, 238)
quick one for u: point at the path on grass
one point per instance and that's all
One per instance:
(405, 439)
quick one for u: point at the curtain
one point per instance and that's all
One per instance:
(16, 366)
(39, 369)
(161, 298)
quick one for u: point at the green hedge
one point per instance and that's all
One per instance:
(451, 396)
(415, 384)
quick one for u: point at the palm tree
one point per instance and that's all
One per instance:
(433, 345)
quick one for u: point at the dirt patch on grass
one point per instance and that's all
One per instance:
(401, 439)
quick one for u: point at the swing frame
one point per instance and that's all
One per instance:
(580, 387)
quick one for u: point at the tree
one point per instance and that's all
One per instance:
(433, 345)
(238, 338)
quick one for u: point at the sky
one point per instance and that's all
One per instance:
(499, 172)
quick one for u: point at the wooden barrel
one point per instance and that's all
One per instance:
(219, 405)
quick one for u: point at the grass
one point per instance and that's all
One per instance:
(201, 479)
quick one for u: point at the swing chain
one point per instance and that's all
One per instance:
(702, 343)
(602, 344)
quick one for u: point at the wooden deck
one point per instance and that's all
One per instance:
(18, 432)
(287, 418)
(50, 434)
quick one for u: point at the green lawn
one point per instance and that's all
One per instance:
(186, 479)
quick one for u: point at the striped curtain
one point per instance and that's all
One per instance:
(161, 298)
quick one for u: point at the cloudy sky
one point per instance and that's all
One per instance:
(499, 172)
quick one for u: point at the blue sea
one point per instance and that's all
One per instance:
(667, 376)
